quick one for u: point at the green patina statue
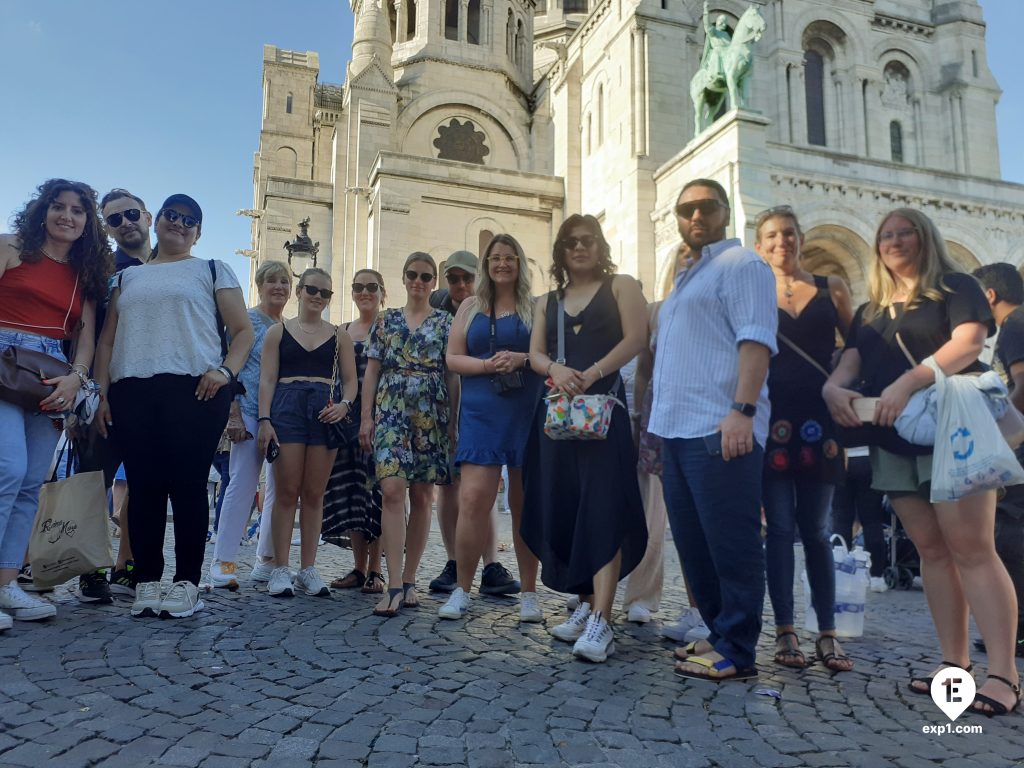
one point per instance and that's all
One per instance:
(725, 65)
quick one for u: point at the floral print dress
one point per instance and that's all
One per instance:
(410, 438)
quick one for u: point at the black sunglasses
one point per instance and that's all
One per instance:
(570, 243)
(459, 279)
(132, 214)
(172, 216)
(706, 208)
(312, 290)
(411, 275)
(368, 287)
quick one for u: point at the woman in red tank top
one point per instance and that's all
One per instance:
(53, 269)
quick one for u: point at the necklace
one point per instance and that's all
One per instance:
(299, 323)
(53, 258)
(788, 289)
(500, 315)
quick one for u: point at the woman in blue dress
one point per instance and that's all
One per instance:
(489, 346)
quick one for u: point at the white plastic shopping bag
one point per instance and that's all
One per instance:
(971, 455)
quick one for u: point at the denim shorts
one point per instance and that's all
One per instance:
(294, 412)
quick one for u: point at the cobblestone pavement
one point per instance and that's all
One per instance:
(253, 680)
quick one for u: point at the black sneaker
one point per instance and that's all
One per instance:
(27, 584)
(123, 581)
(447, 581)
(93, 588)
(496, 580)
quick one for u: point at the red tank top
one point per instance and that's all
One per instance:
(43, 298)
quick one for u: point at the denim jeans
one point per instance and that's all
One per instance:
(27, 442)
(714, 509)
(790, 504)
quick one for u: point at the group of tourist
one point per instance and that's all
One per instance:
(744, 377)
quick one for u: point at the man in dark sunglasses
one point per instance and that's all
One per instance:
(460, 272)
(127, 222)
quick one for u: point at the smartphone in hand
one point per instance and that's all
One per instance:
(273, 451)
(713, 443)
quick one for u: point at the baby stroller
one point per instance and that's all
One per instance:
(904, 563)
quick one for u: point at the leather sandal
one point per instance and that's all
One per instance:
(834, 661)
(789, 656)
(409, 597)
(393, 605)
(374, 584)
(927, 681)
(995, 708)
(351, 580)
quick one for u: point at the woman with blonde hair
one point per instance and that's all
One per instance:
(489, 347)
(920, 300)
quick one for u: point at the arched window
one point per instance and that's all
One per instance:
(473, 22)
(410, 19)
(896, 141)
(590, 133)
(451, 19)
(510, 31)
(814, 83)
(520, 44)
(483, 241)
(600, 114)
(288, 104)
(287, 161)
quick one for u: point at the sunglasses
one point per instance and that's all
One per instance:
(412, 274)
(172, 216)
(312, 290)
(368, 287)
(570, 243)
(132, 214)
(459, 279)
(706, 208)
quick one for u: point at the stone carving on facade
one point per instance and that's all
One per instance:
(896, 91)
(461, 141)
(726, 65)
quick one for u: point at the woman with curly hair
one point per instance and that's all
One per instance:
(582, 514)
(53, 269)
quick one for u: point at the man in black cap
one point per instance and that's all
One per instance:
(460, 273)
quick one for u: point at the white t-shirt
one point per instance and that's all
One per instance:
(167, 319)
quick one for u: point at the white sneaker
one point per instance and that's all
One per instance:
(309, 581)
(182, 601)
(677, 630)
(877, 584)
(280, 584)
(573, 627)
(597, 643)
(6, 622)
(224, 575)
(24, 607)
(529, 608)
(638, 614)
(572, 602)
(261, 571)
(457, 605)
(147, 600)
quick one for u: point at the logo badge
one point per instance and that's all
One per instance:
(953, 691)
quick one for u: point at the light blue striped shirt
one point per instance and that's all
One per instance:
(726, 297)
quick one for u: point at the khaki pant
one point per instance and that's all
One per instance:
(645, 583)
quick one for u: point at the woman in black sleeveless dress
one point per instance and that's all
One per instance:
(802, 457)
(582, 513)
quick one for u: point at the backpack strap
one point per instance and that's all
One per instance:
(220, 320)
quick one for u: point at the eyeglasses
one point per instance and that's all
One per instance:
(506, 259)
(412, 274)
(570, 243)
(892, 234)
(312, 290)
(132, 214)
(368, 287)
(706, 208)
(457, 279)
(172, 216)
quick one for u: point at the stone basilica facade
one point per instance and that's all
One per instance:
(459, 119)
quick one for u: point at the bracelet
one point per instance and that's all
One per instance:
(600, 373)
(263, 418)
(82, 378)
(227, 372)
(85, 368)
(547, 371)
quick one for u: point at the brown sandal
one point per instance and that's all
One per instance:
(787, 656)
(834, 661)
(374, 584)
(351, 580)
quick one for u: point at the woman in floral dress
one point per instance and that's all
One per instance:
(406, 420)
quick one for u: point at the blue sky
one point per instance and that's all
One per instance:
(165, 97)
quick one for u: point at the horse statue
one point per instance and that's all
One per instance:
(726, 65)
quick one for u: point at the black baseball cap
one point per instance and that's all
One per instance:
(187, 201)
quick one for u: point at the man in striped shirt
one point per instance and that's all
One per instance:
(716, 334)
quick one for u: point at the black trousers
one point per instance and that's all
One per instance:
(98, 454)
(1010, 543)
(854, 498)
(167, 439)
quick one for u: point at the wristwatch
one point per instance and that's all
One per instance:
(747, 409)
(346, 403)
